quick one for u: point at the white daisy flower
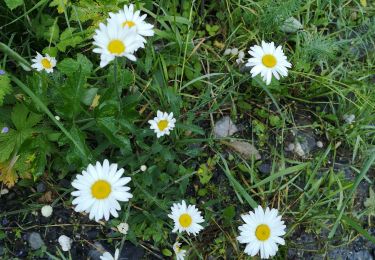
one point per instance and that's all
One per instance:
(65, 243)
(108, 256)
(129, 17)
(112, 41)
(180, 253)
(41, 62)
(262, 232)
(186, 218)
(267, 61)
(123, 228)
(163, 123)
(99, 188)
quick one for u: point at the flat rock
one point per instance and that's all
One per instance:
(225, 127)
(246, 149)
(35, 240)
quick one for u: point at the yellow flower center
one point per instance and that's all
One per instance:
(185, 220)
(46, 63)
(130, 24)
(269, 60)
(263, 232)
(116, 47)
(162, 124)
(101, 189)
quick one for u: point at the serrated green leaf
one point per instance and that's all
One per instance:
(12, 4)
(68, 39)
(23, 119)
(5, 87)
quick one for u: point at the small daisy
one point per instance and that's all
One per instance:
(262, 232)
(163, 123)
(99, 188)
(46, 63)
(114, 41)
(123, 228)
(186, 218)
(180, 253)
(108, 256)
(129, 18)
(267, 60)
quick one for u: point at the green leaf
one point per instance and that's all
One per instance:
(166, 252)
(69, 95)
(370, 203)
(52, 34)
(5, 87)
(12, 4)
(22, 118)
(229, 213)
(112, 131)
(7, 144)
(69, 66)
(67, 39)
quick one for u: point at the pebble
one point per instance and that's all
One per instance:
(319, 144)
(265, 168)
(35, 240)
(41, 187)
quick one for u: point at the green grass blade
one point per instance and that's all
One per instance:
(8, 51)
(358, 227)
(358, 180)
(282, 173)
(237, 186)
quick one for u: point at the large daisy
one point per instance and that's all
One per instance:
(262, 232)
(41, 62)
(130, 18)
(99, 188)
(186, 218)
(112, 41)
(267, 61)
(162, 124)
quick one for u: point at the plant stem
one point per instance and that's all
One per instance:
(117, 87)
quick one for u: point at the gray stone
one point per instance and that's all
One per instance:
(96, 251)
(41, 187)
(291, 25)
(304, 143)
(225, 127)
(265, 168)
(246, 149)
(35, 240)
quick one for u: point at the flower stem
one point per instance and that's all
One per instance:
(117, 86)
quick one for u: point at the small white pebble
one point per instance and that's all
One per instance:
(241, 55)
(234, 51)
(227, 51)
(123, 228)
(290, 147)
(298, 150)
(4, 191)
(46, 211)
(349, 118)
(57, 118)
(143, 168)
(319, 144)
(65, 242)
